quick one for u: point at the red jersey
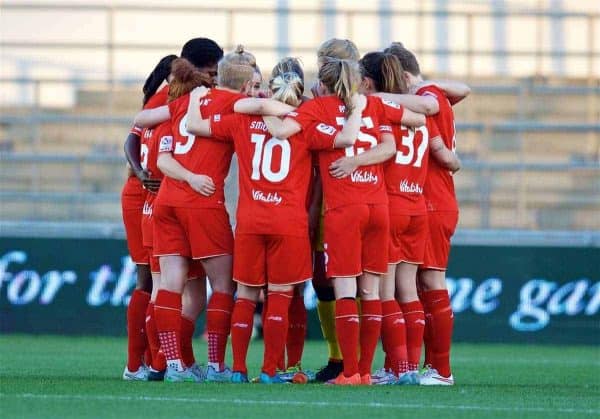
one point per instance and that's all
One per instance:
(133, 191)
(160, 98)
(321, 118)
(274, 176)
(439, 187)
(151, 140)
(406, 173)
(204, 156)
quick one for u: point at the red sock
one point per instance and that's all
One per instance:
(167, 310)
(347, 328)
(218, 323)
(296, 330)
(187, 334)
(393, 334)
(158, 358)
(414, 318)
(427, 333)
(136, 329)
(275, 329)
(242, 322)
(442, 323)
(370, 330)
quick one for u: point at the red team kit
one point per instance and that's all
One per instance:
(401, 210)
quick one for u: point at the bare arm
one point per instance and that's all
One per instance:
(412, 119)
(349, 133)
(173, 169)
(344, 166)
(132, 154)
(257, 106)
(444, 156)
(281, 129)
(454, 90)
(195, 123)
(151, 117)
(420, 104)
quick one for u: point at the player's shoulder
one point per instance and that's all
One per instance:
(431, 90)
(160, 98)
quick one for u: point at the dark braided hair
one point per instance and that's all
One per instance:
(158, 75)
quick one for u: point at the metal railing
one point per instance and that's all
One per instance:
(421, 16)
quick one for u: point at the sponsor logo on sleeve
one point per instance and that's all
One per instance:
(166, 144)
(292, 114)
(390, 103)
(326, 129)
(217, 117)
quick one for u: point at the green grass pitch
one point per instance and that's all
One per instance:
(67, 377)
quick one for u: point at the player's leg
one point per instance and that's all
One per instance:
(173, 251)
(296, 329)
(211, 242)
(132, 201)
(374, 256)
(393, 332)
(326, 311)
(347, 325)
(137, 342)
(167, 309)
(436, 299)
(193, 304)
(370, 322)
(158, 364)
(343, 262)
(414, 317)
(288, 263)
(249, 273)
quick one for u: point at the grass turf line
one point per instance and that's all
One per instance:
(67, 377)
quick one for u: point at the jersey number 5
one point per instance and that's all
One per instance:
(263, 156)
(367, 123)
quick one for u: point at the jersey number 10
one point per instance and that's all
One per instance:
(263, 156)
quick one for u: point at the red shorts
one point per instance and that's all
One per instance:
(356, 240)
(132, 203)
(154, 263)
(197, 233)
(442, 225)
(147, 230)
(408, 235)
(261, 259)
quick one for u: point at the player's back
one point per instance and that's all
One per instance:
(439, 189)
(325, 116)
(274, 176)
(406, 173)
(199, 155)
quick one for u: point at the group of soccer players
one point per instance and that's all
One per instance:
(352, 189)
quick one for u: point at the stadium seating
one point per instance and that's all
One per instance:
(70, 160)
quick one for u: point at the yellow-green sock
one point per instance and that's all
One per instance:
(326, 310)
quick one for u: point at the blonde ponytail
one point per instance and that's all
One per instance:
(341, 77)
(287, 88)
